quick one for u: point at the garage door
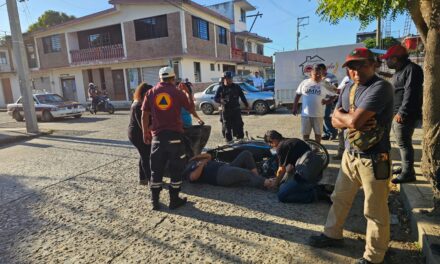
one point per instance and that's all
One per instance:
(150, 75)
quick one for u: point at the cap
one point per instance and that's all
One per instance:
(91, 84)
(227, 74)
(166, 72)
(359, 54)
(397, 50)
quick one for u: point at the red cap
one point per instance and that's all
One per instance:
(397, 50)
(359, 54)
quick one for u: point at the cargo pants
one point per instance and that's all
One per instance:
(357, 171)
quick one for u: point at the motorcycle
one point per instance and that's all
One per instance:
(103, 105)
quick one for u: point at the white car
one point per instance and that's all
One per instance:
(47, 107)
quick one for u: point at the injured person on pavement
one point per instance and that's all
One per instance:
(242, 171)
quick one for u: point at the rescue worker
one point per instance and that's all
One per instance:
(163, 103)
(93, 94)
(228, 95)
(366, 110)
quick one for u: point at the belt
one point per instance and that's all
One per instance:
(177, 141)
(375, 156)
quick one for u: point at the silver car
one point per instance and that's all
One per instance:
(261, 102)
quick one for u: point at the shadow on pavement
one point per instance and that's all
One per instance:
(90, 141)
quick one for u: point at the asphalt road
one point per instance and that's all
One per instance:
(73, 197)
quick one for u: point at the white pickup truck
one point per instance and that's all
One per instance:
(292, 67)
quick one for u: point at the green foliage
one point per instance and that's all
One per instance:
(50, 18)
(365, 11)
(389, 41)
(370, 43)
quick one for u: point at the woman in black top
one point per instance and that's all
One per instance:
(135, 133)
(242, 171)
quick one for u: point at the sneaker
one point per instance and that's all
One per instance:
(322, 241)
(335, 136)
(397, 170)
(404, 178)
(325, 137)
(364, 261)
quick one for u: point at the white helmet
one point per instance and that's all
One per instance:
(91, 84)
(166, 72)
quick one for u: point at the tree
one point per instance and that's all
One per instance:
(386, 42)
(50, 18)
(370, 43)
(426, 17)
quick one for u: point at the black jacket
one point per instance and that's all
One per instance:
(408, 91)
(230, 94)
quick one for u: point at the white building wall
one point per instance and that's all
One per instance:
(239, 26)
(205, 66)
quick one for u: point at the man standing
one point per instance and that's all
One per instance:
(164, 102)
(228, 95)
(258, 81)
(329, 131)
(314, 98)
(408, 96)
(365, 108)
(93, 94)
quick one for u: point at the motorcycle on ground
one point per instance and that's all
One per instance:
(103, 105)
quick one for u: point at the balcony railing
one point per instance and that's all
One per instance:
(253, 57)
(115, 51)
(6, 68)
(237, 54)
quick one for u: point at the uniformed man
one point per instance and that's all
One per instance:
(164, 102)
(366, 110)
(93, 94)
(228, 95)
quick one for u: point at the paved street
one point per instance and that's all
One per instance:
(73, 197)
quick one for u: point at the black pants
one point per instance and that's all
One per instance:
(144, 152)
(167, 147)
(232, 124)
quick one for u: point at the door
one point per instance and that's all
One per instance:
(7, 91)
(119, 85)
(69, 89)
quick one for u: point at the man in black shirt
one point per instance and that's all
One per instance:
(228, 95)
(408, 96)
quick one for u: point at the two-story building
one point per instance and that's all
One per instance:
(8, 75)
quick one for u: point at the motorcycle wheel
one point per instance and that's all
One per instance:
(111, 109)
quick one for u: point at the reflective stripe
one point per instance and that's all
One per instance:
(175, 187)
(156, 184)
(176, 183)
(155, 142)
(183, 156)
(175, 141)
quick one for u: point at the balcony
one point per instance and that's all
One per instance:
(237, 55)
(6, 68)
(103, 53)
(253, 57)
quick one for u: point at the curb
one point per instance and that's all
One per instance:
(417, 198)
(15, 139)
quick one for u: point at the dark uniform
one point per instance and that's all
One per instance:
(164, 102)
(229, 96)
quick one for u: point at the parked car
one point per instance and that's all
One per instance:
(47, 107)
(261, 102)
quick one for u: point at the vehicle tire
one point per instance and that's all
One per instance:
(46, 116)
(77, 116)
(261, 107)
(111, 109)
(17, 116)
(207, 108)
(320, 150)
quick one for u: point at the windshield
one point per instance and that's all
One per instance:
(249, 88)
(49, 98)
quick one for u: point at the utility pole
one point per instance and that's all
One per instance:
(300, 22)
(379, 33)
(258, 15)
(22, 67)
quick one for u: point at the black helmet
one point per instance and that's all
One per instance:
(227, 74)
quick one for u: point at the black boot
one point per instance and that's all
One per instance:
(155, 193)
(175, 200)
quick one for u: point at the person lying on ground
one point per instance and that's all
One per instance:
(295, 189)
(242, 171)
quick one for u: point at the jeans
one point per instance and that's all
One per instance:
(328, 127)
(144, 152)
(404, 133)
(293, 191)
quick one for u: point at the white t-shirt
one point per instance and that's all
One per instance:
(312, 94)
(344, 82)
(258, 82)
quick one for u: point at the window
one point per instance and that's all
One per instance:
(200, 28)
(249, 47)
(197, 72)
(240, 44)
(3, 59)
(212, 89)
(52, 44)
(218, 67)
(99, 40)
(212, 67)
(31, 56)
(151, 27)
(222, 35)
(260, 49)
(242, 15)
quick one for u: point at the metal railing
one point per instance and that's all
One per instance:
(97, 54)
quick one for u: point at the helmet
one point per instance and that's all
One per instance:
(91, 85)
(166, 72)
(227, 74)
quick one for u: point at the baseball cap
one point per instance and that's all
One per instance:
(166, 72)
(227, 74)
(359, 54)
(397, 50)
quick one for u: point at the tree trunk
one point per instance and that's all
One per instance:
(431, 99)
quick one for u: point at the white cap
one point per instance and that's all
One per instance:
(91, 84)
(166, 72)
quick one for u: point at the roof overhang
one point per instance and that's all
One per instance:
(245, 5)
(255, 36)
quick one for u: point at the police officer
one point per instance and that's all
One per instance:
(93, 93)
(228, 95)
(165, 134)
(363, 108)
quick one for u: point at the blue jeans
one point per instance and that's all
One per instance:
(329, 130)
(404, 133)
(293, 191)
